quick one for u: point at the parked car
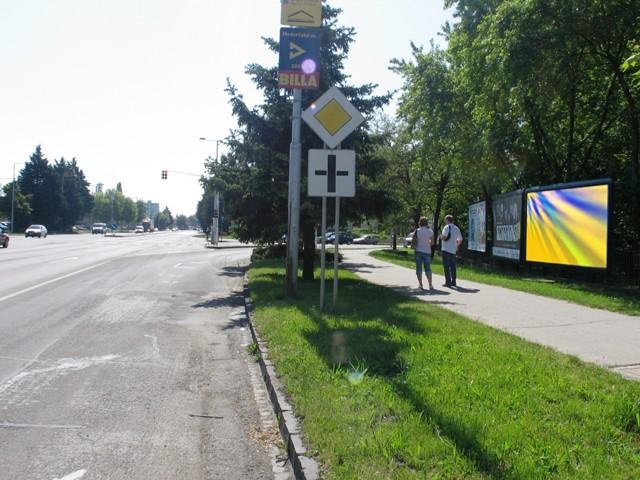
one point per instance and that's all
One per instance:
(366, 240)
(406, 241)
(139, 229)
(4, 238)
(39, 231)
(100, 228)
(342, 238)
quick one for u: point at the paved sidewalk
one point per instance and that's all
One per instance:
(608, 339)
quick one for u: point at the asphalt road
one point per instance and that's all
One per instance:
(126, 358)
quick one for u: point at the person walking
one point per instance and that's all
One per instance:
(451, 238)
(423, 239)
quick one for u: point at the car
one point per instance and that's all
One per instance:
(342, 238)
(99, 228)
(366, 240)
(139, 229)
(35, 230)
(4, 238)
(406, 241)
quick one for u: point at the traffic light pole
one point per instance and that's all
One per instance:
(295, 167)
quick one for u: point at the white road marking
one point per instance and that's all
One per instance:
(37, 425)
(154, 345)
(49, 282)
(73, 476)
(64, 260)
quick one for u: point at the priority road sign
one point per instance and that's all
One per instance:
(299, 65)
(301, 13)
(332, 117)
(332, 173)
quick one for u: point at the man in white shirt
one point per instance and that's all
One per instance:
(451, 238)
(423, 239)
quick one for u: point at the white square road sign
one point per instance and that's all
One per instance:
(332, 173)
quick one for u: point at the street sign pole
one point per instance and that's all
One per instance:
(295, 167)
(323, 260)
(336, 253)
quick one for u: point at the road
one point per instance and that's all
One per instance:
(126, 358)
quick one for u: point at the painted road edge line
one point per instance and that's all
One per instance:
(53, 280)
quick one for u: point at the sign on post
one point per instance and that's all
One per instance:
(299, 65)
(301, 13)
(332, 117)
(332, 173)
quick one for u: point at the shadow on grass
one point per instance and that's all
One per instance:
(360, 334)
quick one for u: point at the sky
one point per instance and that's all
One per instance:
(128, 87)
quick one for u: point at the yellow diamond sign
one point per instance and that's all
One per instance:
(332, 117)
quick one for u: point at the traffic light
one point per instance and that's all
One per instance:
(164, 174)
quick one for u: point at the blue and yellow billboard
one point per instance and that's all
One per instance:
(568, 226)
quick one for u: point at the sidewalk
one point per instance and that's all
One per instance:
(608, 339)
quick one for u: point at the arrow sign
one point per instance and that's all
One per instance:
(295, 50)
(332, 173)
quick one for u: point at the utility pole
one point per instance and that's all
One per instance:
(295, 167)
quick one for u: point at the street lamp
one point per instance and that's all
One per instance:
(215, 223)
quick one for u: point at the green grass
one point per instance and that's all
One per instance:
(395, 388)
(623, 300)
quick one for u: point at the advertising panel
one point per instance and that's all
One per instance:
(568, 226)
(478, 227)
(507, 225)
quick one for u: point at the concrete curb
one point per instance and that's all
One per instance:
(304, 467)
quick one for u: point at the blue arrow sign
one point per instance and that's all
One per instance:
(299, 65)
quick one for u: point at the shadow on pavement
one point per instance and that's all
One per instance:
(233, 271)
(233, 300)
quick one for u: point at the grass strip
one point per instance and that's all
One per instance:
(621, 299)
(394, 388)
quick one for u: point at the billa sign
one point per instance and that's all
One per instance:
(299, 65)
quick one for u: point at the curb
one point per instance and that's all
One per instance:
(304, 467)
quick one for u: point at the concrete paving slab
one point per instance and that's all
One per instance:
(605, 338)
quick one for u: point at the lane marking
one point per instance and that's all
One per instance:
(73, 476)
(49, 282)
(64, 260)
(38, 425)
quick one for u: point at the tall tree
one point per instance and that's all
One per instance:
(254, 173)
(38, 182)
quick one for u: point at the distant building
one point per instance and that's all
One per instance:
(99, 187)
(153, 209)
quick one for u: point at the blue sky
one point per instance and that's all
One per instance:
(128, 86)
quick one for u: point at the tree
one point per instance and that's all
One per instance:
(254, 173)
(164, 219)
(74, 199)
(181, 222)
(21, 207)
(38, 182)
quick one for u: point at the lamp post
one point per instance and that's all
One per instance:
(13, 193)
(215, 225)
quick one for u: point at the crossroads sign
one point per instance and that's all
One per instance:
(299, 65)
(332, 173)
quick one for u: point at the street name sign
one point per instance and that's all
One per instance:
(301, 13)
(299, 65)
(332, 117)
(332, 173)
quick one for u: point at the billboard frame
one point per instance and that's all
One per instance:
(487, 205)
(512, 193)
(568, 186)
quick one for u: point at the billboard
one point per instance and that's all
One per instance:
(568, 225)
(507, 225)
(477, 227)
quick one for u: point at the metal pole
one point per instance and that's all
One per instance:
(295, 166)
(323, 251)
(336, 253)
(13, 195)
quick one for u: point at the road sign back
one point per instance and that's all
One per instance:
(301, 13)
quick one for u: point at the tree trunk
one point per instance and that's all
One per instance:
(309, 250)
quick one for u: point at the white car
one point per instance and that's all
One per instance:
(39, 231)
(139, 229)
